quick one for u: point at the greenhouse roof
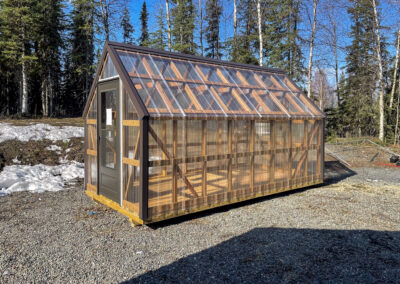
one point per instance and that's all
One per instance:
(174, 85)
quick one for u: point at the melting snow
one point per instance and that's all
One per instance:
(54, 148)
(38, 178)
(38, 132)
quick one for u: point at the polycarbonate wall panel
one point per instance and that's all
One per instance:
(91, 146)
(109, 69)
(186, 88)
(197, 163)
(130, 154)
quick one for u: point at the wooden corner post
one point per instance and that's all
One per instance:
(144, 169)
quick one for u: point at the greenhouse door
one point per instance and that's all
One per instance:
(109, 140)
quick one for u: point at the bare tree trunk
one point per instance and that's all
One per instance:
(105, 17)
(24, 97)
(43, 97)
(396, 133)
(312, 46)
(234, 30)
(260, 35)
(396, 65)
(168, 24)
(380, 75)
(201, 28)
(336, 53)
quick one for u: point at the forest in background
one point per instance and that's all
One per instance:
(49, 50)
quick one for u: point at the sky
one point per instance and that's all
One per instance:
(323, 56)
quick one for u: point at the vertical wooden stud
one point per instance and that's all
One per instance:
(272, 156)
(219, 137)
(251, 148)
(306, 145)
(174, 165)
(144, 167)
(290, 160)
(230, 157)
(204, 154)
(164, 138)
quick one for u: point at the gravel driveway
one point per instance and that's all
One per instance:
(345, 231)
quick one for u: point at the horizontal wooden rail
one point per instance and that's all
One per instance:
(197, 159)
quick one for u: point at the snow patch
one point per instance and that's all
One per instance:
(16, 161)
(54, 148)
(38, 131)
(39, 178)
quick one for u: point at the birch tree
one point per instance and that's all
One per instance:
(260, 33)
(168, 24)
(380, 74)
(396, 66)
(310, 62)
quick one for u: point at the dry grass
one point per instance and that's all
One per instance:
(69, 121)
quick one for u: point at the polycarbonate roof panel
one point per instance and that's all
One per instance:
(171, 87)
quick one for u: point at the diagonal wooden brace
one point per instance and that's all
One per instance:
(170, 157)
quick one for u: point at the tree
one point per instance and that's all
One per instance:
(157, 38)
(168, 24)
(396, 66)
(80, 56)
(127, 28)
(183, 25)
(310, 58)
(144, 36)
(362, 69)
(16, 37)
(213, 15)
(380, 73)
(282, 45)
(260, 33)
(48, 45)
(201, 32)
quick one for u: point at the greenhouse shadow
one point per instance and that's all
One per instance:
(289, 255)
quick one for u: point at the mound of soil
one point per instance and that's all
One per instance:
(35, 152)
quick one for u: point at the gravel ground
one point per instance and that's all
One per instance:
(345, 231)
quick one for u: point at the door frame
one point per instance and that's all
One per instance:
(113, 84)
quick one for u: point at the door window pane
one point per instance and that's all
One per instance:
(109, 128)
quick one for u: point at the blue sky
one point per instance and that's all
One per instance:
(323, 56)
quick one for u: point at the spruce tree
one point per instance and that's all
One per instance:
(127, 28)
(158, 38)
(16, 37)
(48, 45)
(183, 24)
(144, 15)
(247, 37)
(213, 15)
(282, 38)
(80, 64)
(359, 98)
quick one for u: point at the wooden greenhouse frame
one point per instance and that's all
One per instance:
(167, 134)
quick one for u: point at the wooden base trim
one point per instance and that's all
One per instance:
(114, 205)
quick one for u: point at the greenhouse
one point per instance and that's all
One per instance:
(168, 134)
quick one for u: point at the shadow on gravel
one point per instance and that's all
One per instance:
(334, 173)
(290, 255)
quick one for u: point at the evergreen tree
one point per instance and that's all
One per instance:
(48, 45)
(16, 17)
(158, 38)
(144, 15)
(213, 15)
(247, 37)
(127, 28)
(183, 24)
(282, 39)
(80, 57)
(359, 98)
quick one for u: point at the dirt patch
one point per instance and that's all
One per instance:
(40, 152)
